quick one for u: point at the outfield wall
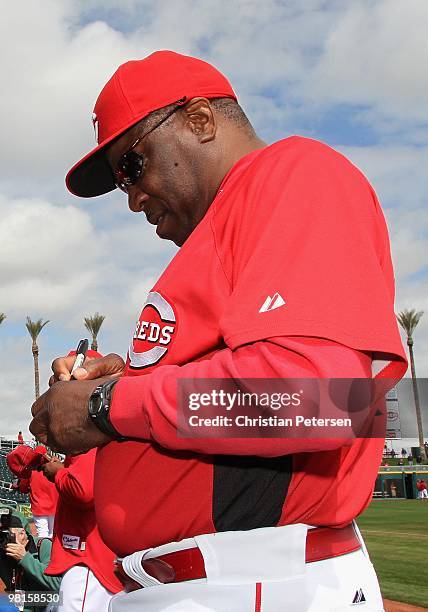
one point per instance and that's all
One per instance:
(399, 484)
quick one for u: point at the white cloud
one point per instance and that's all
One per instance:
(318, 54)
(398, 175)
(397, 171)
(50, 83)
(375, 55)
(43, 254)
(17, 382)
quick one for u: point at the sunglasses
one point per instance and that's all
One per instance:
(131, 164)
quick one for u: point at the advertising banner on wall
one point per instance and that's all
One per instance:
(393, 424)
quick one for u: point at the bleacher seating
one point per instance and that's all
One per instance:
(6, 445)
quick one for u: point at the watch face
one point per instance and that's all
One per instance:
(95, 403)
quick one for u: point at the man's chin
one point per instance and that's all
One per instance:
(168, 233)
(170, 227)
(177, 241)
(163, 233)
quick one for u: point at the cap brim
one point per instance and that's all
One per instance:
(92, 175)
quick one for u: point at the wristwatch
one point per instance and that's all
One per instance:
(99, 409)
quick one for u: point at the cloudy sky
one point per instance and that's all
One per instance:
(352, 74)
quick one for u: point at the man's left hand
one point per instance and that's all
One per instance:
(61, 419)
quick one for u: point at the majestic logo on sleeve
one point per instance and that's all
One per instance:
(271, 303)
(153, 334)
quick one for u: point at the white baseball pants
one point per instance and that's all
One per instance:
(262, 570)
(82, 592)
(44, 525)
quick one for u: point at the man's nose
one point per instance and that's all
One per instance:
(136, 199)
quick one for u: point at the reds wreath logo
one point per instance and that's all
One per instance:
(153, 333)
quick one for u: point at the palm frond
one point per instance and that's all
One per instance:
(409, 319)
(93, 324)
(35, 327)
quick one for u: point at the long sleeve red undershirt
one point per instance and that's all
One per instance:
(75, 481)
(145, 407)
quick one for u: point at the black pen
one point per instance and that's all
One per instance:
(82, 347)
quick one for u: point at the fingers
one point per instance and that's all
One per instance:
(12, 547)
(61, 368)
(110, 365)
(21, 538)
(38, 405)
(38, 429)
(61, 418)
(17, 551)
(61, 414)
(35, 409)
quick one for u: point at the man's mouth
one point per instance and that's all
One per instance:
(160, 225)
(155, 217)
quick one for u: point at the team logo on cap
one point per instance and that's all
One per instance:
(95, 124)
(153, 334)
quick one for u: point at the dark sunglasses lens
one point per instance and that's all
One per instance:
(129, 168)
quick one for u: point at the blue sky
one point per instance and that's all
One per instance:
(352, 74)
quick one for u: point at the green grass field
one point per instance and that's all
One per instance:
(396, 535)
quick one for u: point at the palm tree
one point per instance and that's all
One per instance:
(408, 320)
(2, 317)
(34, 329)
(93, 325)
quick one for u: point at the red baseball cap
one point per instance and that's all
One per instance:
(89, 353)
(136, 89)
(23, 459)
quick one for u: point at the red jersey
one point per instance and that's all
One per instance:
(76, 538)
(288, 275)
(43, 495)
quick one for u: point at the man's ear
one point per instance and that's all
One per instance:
(200, 118)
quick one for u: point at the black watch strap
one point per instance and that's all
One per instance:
(99, 409)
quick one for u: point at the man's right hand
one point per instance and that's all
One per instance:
(51, 468)
(110, 365)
